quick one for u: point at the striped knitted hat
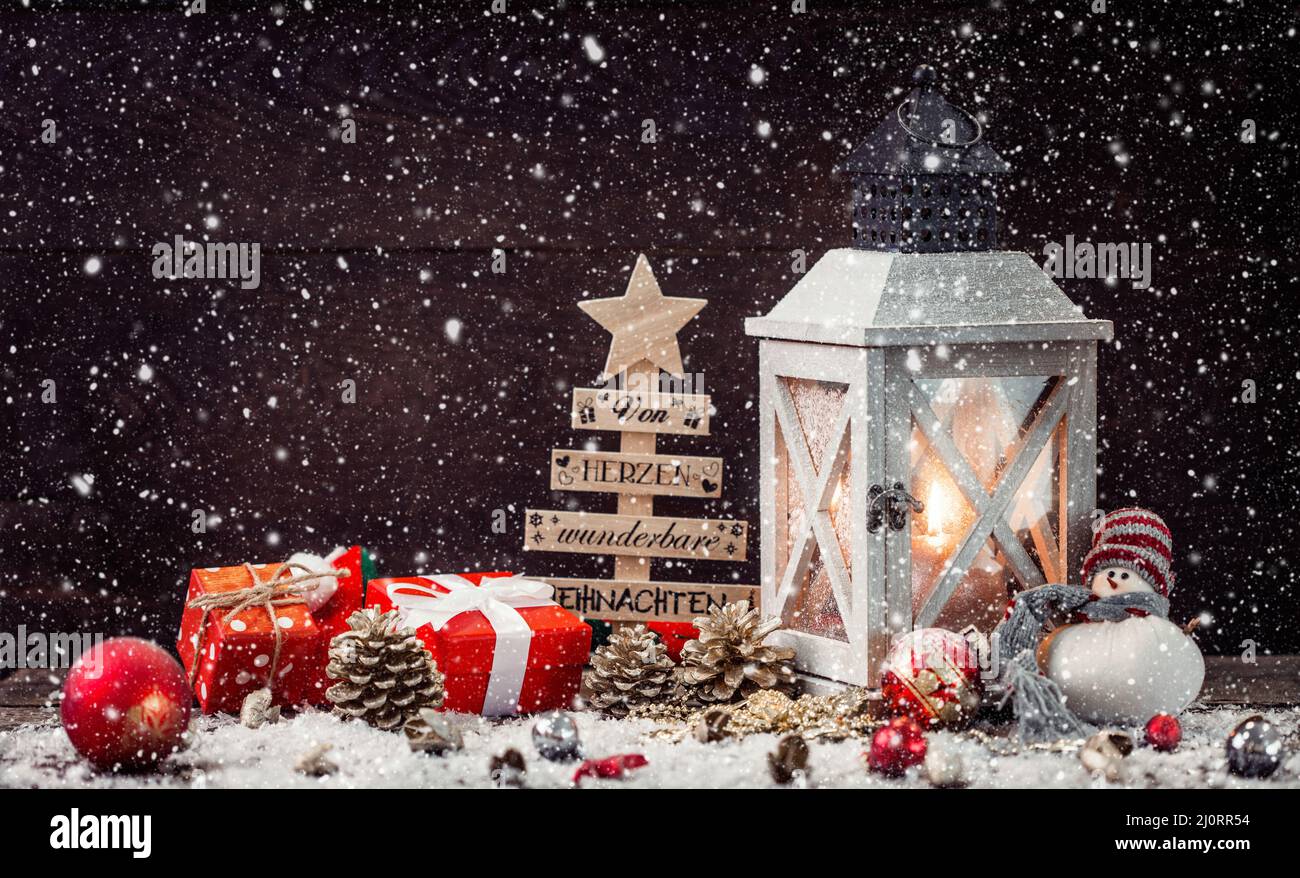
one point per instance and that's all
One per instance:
(1135, 539)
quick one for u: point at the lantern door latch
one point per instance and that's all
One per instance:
(892, 504)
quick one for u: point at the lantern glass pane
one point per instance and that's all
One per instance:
(813, 608)
(1035, 513)
(986, 418)
(818, 404)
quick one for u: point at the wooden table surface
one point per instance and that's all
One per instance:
(1271, 681)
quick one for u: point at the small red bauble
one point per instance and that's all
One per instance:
(126, 704)
(1164, 732)
(896, 747)
(932, 675)
(610, 766)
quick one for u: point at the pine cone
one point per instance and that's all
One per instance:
(729, 659)
(632, 668)
(385, 673)
(790, 759)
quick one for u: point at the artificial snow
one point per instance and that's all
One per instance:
(228, 755)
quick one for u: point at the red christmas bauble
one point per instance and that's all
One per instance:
(932, 675)
(126, 704)
(1164, 732)
(896, 747)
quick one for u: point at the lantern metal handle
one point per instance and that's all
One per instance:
(925, 78)
(893, 503)
(964, 144)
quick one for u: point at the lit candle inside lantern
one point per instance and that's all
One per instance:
(941, 518)
(982, 425)
(938, 529)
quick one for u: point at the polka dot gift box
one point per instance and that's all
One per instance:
(267, 625)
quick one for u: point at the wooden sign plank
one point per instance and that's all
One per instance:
(624, 600)
(638, 411)
(646, 536)
(654, 474)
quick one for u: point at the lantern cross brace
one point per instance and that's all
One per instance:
(1047, 544)
(818, 489)
(1041, 531)
(941, 443)
(990, 508)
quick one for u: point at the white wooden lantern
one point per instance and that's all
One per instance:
(927, 411)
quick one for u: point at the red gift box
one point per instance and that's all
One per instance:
(505, 647)
(235, 651)
(674, 636)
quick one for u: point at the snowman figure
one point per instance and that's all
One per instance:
(1126, 671)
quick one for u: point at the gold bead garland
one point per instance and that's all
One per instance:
(850, 714)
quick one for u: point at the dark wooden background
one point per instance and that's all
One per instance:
(479, 132)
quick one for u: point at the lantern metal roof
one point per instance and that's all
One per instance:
(925, 181)
(869, 298)
(926, 135)
(924, 268)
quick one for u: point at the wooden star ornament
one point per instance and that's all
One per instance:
(644, 323)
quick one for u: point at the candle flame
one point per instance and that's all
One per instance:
(942, 510)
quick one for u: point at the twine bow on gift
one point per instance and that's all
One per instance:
(265, 593)
(499, 599)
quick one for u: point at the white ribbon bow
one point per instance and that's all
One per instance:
(499, 599)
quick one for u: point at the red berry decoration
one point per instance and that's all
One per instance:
(1164, 732)
(609, 767)
(896, 747)
(126, 704)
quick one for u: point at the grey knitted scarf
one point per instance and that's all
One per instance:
(1039, 706)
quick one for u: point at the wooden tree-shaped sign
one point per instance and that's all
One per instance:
(644, 324)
